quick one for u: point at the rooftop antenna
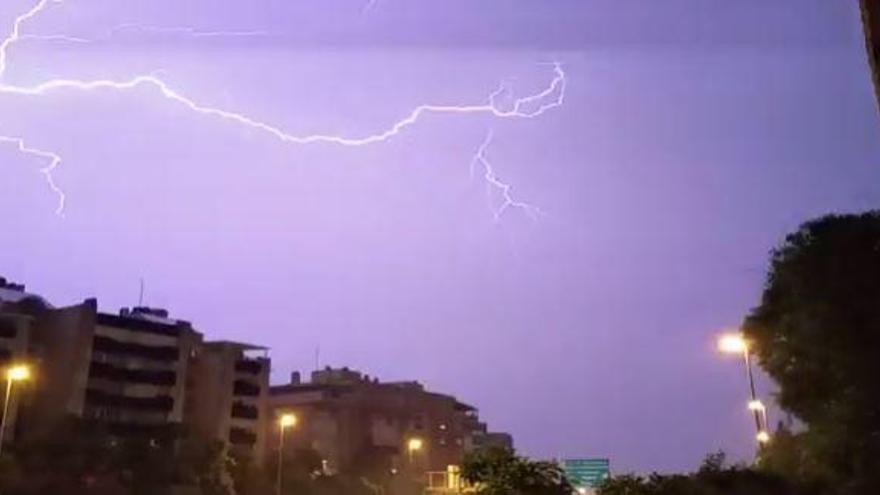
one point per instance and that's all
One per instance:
(141, 295)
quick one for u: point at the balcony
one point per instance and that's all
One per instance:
(155, 353)
(160, 403)
(250, 366)
(241, 436)
(141, 325)
(244, 411)
(245, 389)
(114, 373)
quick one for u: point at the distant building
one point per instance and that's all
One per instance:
(359, 424)
(493, 440)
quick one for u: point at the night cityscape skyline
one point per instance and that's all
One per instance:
(548, 210)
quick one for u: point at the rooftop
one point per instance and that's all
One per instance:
(144, 319)
(244, 346)
(11, 292)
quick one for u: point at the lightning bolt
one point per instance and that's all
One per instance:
(492, 180)
(500, 104)
(55, 37)
(195, 33)
(54, 161)
(15, 35)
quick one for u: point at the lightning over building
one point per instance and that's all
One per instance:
(500, 104)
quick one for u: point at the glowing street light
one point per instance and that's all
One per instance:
(18, 373)
(285, 421)
(756, 405)
(732, 343)
(15, 373)
(414, 445)
(735, 343)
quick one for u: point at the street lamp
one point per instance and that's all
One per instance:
(15, 373)
(735, 343)
(732, 343)
(285, 421)
(412, 446)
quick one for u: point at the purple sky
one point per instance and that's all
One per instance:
(693, 135)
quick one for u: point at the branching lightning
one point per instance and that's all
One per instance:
(500, 104)
(15, 35)
(492, 180)
(53, 159)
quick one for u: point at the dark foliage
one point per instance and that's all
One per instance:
(713, 478)
(817, 333)
(499, 471)
(79, 457)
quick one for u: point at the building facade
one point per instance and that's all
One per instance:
(135, 372)
(139, 371)
(360, 425)
(17, 308)
(124, 370)
(227, 395)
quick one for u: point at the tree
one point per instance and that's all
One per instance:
(713, 477)
(83, 457)
(498, 471)
(871, 24)
(202, 463)
(248, 478)
(816, 331)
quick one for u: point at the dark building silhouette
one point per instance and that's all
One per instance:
(136, 372)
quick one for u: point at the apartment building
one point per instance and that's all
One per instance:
(16, 321)
(227, 389)
(126, 370)
(356, 422)
(136, 371)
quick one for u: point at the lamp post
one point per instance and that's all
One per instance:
(14, 373)
(734, 343)
(285, 421)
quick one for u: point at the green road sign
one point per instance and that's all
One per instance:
(586, 473)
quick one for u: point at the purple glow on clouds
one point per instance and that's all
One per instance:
(690, 140)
